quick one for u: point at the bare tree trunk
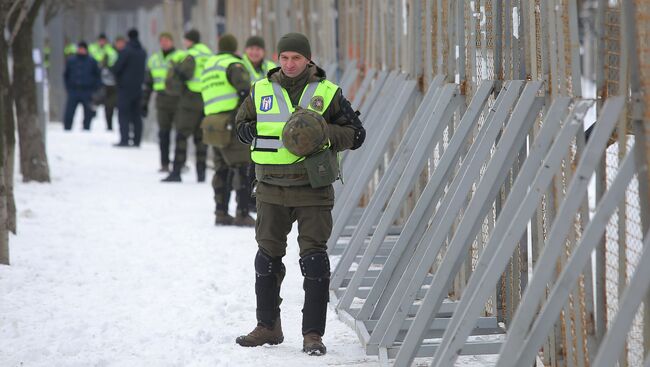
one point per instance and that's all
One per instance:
(6, 119)
(33, 158)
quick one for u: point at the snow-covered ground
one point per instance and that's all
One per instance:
(110, 267)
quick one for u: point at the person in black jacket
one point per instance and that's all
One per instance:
(82, 78)
(129, 73)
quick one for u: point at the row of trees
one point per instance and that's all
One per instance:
(19, 108)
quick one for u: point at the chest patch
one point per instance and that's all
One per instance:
(266, 103)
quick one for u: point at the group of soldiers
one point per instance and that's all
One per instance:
(276, 133)
(197, 94)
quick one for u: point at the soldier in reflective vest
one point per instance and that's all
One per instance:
(102, 51)
(166, 104)
(253, 59)
(106, 56)
(258, 66)
(287, 190)
(226, 83)
(186, 83)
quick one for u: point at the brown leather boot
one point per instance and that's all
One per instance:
(262, 335)
(223, 219)
(312, 344)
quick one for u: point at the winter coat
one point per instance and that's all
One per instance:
(129, 69)
(82, 74)
(275, 181)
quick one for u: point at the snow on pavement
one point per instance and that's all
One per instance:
(110, 267)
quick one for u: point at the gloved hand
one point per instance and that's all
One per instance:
(359, 137)
(246, 132)
(145, 110)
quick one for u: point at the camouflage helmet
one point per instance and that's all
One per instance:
(305, 132)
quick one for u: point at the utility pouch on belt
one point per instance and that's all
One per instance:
(322, 168)
(217, 130)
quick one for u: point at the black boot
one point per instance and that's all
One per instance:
(174, 175)
(316, 270)
(163, 143)
(200, 171)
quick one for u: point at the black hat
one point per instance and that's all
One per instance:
(102, 36)
(82, 44)
(255, 41)
(193, 35)
(133, 33)
(227, 43)
(296, 42)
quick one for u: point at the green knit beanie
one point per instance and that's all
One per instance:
(227, 43)
(166, 35)
(296, 42)
(255, 41)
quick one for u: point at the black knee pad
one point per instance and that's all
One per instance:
(266, 265)
(269, 273)
(315, 266)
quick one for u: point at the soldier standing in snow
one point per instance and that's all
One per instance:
(158, 66)
(293, 185)
(226, 82)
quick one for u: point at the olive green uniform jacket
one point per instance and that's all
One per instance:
(190, 104)
(288, 185)
(235, 153)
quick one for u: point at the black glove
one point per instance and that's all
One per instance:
(246, 132)
(359, 137)
(352, 117)
(145, 110)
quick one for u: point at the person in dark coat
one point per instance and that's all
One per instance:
(82, 78)
(129, 72)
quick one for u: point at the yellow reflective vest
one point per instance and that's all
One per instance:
(274, 107)
(255, 76)
(201, 53)
(218, 94)
(159, 65)
(70, 49)
(100, 53)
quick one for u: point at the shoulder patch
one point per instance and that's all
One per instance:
(317, 103)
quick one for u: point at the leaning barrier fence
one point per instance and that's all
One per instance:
(480, 218)
(483, 219)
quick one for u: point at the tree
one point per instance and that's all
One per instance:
(16, 14)
(33, 157)
(7, 140)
